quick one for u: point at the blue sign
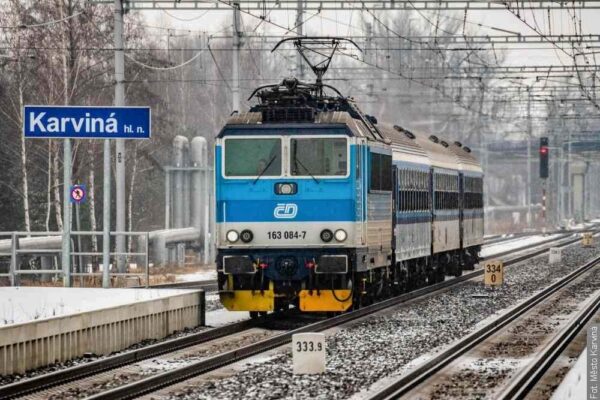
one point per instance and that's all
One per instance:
(86, 122)
(78, 194)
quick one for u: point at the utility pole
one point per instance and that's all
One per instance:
(66, 237)
(569, 180)
(300, 32)
(235, 81)
(67, 169)
(120, 143)
(529, 131)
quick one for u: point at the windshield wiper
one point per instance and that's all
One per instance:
(265, 169)
(306, 169)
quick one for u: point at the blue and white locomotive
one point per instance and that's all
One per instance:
(321, 207)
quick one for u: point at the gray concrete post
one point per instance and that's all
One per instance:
(120, 143)
(235, 69)
(199, 196)
(106, 218)
(66, 237)
(13, 259)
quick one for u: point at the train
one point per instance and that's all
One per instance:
(321, 207)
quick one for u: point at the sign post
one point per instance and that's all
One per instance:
(493, 273)
(78, 195)
(77, 122)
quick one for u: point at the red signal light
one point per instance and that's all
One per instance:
(543, 150)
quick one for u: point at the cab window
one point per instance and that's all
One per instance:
(318, 157)
(253, 157)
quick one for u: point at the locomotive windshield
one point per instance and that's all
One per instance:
(253, 157)
(319, 157)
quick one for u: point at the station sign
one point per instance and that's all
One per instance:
(493, 273)
(75, 122)
(308, 353)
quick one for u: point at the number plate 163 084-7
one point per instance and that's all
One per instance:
(277, 235)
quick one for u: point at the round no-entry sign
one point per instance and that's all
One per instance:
(78, 194)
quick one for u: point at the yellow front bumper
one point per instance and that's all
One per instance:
(325, 300)
(248, 300)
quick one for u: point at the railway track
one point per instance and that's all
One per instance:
(454, 373)
(209, 285)
(496, 239)
(524, 383)
(166, 378)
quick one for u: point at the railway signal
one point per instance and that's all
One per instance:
(544, 172)
(544, 157)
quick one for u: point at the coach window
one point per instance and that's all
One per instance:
(253, 157)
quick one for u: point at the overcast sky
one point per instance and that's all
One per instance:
(560, 22)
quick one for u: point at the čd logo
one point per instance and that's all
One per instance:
(285, 211)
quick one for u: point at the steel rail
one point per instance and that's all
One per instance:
(56, 378)
(528, 377)
(171, 377)
(425, 371)
(209, 285)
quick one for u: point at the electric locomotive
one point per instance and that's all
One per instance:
(322, 207)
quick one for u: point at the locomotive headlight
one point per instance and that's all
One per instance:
(341, 235)
(232, 236)
(286, 188)
(326, 235)
(246, 235)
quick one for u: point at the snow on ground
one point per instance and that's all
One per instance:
(205, 275)
(514, 244)
(222, 317)
(573, 385)
(24, 304)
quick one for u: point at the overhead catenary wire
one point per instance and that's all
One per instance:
(43, 24)
(183, 64)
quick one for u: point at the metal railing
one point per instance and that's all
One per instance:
(48, 244)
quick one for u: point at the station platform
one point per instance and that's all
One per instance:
(40, 326)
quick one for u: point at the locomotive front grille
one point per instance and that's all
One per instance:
(238, 265)
(332, 265)
(288, 114)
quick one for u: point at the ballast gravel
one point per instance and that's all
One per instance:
(383, 345)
